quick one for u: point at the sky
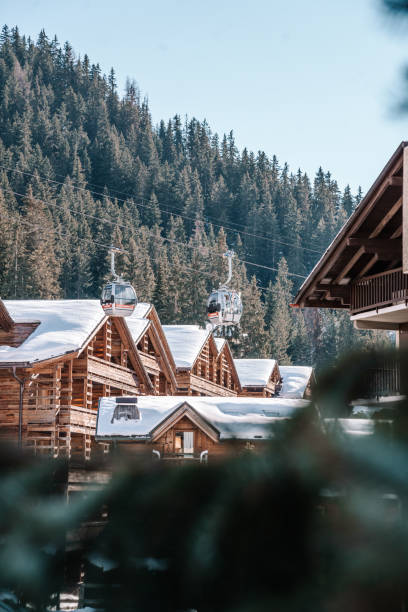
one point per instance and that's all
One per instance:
(315, 83)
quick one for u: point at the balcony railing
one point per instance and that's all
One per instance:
(379, 290)
(383, 381)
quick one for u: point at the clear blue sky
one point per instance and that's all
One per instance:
(312, 82)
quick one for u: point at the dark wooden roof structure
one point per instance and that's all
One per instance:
(366, 265)
(6, 322)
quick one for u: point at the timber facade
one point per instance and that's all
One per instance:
(210, 371)
(50, 407)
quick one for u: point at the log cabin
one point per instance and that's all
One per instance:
(365, 268)
(204, 365)
(156, 356)
(57, 358)
(258, 377)
(192, 428)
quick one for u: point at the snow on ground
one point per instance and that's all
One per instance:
(295, 380)
(64, 326)
(186, 342)
(254, 372)
(234, 417)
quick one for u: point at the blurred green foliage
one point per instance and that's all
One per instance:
(317, 522)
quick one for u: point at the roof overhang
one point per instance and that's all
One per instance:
(370, 242)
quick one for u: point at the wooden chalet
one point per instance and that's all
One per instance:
(296, 382)
(365, 269)
(204, 365)
(155, 354)
(57, 359)
(192, 428)
(259, 377)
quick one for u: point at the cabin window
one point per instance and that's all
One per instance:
(184, 442)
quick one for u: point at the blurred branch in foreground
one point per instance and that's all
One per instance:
(317, 522)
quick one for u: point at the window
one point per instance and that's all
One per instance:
(184, 442)
(126, 408)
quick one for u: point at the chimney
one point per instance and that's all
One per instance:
(6, 322)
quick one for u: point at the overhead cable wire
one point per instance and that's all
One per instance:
(165, 238)
(182, 216)
(90, 241)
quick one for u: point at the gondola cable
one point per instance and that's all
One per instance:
(102, 195)
(165, 238)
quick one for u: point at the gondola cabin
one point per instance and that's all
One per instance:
(118, 299)
(224, 307)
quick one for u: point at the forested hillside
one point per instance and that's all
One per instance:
(82, 167)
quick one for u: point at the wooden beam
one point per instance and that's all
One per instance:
(374, 243)
(405, 211)
(390, 214)
(361, 324)
(336, 291)
(383, 254)
(395, 181)
(322, 304)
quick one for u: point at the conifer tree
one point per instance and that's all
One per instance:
(279, 321)
(254, 339)
(40, 268)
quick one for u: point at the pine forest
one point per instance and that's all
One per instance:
(82, 167)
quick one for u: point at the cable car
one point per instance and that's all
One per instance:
(118, 297)
(224, 306)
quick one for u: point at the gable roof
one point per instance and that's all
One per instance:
(254, 372)
(232, 417)
(219, 343)
(352, 253)
(186, 342)
(65, 326)
(142, 310)
(143, 318)
(295, 380)
(137, 327)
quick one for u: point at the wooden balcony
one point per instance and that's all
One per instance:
(108, 373)
(150, 362)
(186, 380)
(75, 417)
(379, 291)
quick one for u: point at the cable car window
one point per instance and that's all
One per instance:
(107, 292)
(124, 295)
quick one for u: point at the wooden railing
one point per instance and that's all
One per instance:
(383, 381)
(75, 416)
(379, 290)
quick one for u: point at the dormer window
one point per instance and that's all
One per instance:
(126, 408)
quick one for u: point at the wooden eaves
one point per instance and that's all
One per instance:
(372, 241)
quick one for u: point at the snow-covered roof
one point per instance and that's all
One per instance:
(254, 372)
(64, 326)
(233, 417)
(137, 327)
(186, 342)
(219, 343)
(295, 380)
(141, 310)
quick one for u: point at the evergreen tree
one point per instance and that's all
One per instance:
(279, 322)
(40, 268)
(254, 339)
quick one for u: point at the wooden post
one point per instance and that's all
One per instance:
(405, 211)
